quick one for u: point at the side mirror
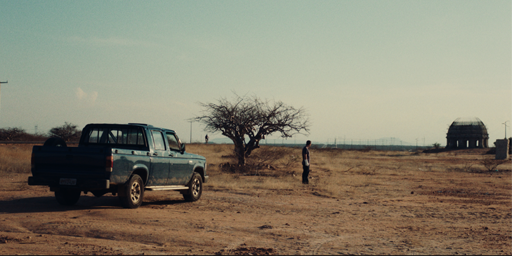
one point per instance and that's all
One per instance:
(182, 149)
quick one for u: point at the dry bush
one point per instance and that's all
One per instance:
(268, 167)
(266, 161)
(491, 164)
(273, 158)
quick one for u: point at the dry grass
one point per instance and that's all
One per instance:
(357, 202)
(334, 172)
(15, 158)
(15, 163)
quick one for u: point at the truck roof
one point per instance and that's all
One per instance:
(130, 124)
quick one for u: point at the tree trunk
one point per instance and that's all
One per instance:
(254, 143)
(240, 152)
(241, 156)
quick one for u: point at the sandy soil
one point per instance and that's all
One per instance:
(417, 212)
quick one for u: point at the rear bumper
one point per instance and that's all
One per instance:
(82, 184)
(206, 178)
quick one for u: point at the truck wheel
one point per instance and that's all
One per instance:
(132, 192)
(55, 142)
(195, 188)
(67, 196)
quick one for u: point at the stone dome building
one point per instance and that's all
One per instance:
(467, 133)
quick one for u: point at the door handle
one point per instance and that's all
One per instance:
(155, 154)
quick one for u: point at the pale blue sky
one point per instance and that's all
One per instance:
(363, 70)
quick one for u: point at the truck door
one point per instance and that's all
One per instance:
(159, 157)
(180, 170)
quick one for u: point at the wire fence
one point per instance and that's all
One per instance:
(386, 145)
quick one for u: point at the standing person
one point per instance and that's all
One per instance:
(206, 139)
(305, 162)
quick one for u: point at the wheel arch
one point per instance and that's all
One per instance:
(200, 170)
(142, 172)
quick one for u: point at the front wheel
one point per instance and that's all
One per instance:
(67, 196)
(131, 193)
(195, 188)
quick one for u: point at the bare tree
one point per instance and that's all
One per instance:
(254, 118)
(67, 132)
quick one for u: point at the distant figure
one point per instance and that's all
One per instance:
(206, 139)
(305, 162)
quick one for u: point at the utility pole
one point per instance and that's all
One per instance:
(505, 123)
(3, 83)
(1, 88)
(191, 131)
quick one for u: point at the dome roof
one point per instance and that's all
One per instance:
(468, 127)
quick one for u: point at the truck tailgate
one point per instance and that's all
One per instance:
(70, 161)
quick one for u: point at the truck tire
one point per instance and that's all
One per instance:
(195, 188)
(132, 193)
(55, 142)
(67, 196)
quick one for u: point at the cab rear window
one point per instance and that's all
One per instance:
(132, 136)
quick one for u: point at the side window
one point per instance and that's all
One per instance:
(159, 140)
(135, 137)
(173, 141)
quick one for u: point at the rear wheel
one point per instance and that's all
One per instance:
(195, 188)
(67, 196)
(132, 192)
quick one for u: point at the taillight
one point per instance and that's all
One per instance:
(109, 163)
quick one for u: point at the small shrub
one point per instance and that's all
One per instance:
(491, 164)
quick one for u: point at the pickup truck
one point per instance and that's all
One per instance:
(122, 159)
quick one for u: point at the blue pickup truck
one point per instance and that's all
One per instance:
(122, 159)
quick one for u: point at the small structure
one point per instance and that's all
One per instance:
(502, 149)
(467, 133)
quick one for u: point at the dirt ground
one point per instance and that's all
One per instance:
(409, 212)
